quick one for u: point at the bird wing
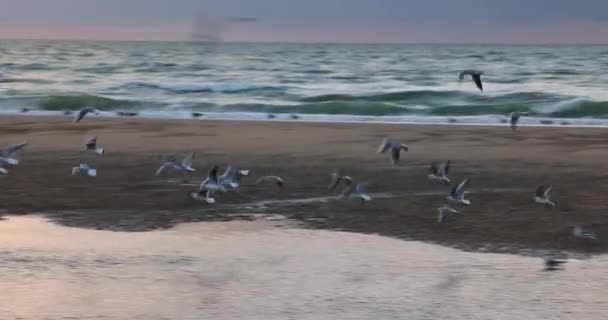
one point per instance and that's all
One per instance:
(540, 190)
(13, 148)
(477, 79)
(446, 168)
(162, 168)
(187, 161)
(335, 181)
(396, 152)
(91, 141)
(384, 146)
(361, 188)
(547, 191)
(213, 173)
(404, 147)
(459, 191)
(434, 168)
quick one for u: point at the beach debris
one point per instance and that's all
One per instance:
(91, 145)
(9, 153)
(439, 172)
(83, 112)
(553, 264)
(582, 231)
(475, 75)
(294, 116)
(359, 191)
(457, 194)
(276, 179)
(337, 178)
(514, 118)
(542, 196)
(444, 211)
(171, 163)
(127, 113)
(231, 178)
(197, 114)
(394, 146)
(209, 186)
(68, 112)
(270, 116)
(25, 110)
(84, 169)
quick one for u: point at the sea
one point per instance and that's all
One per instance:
(557, 85)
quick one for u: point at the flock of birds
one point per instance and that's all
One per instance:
(231, 177)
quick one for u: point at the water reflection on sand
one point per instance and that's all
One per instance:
(252, 270)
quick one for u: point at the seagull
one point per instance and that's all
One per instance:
(9, 153)
(231, 178)
(476, 75)
(359, 191)
(583, 232)
(84, 169)
(439, 172)
(542, 196)
(457, 194)
(209, 186)
(514, 118)
(171, 163)
(337, 178)
(394, 146)
(278, 180)
(552, 264)
(83, 112)
(443, 212)
(91, 144)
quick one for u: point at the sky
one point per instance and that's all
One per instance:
(366, 21)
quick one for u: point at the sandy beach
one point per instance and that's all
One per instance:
(504, 168)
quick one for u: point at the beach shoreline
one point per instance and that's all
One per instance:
(126, 196)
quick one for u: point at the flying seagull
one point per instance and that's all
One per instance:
(231, 178)
(514, 118)
(10, 152)
(583, 232)
(542, 196)
(91, 144)
(84, 169)
(358, 192)
(552, 264)
(457, 194)
(439, 172)
(171, 163)
(476, 75)
(443, 213)
(277, 180)
(83, 112)
(209, 186)
(394, 146)
(337, 178)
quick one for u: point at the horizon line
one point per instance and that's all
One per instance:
(314, 42)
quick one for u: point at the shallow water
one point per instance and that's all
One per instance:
(252, 270)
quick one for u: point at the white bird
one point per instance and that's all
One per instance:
(394, 146)
(542, 196)
(91, 144)
(337, 178)
(583, 232)
(358, 192)
(439, 172)
(276, 179)
(171, 163)
(84, 169)
(209, 186)
(443, 213)
(475, 75)
(83, 112)
(457, 194)
(514, 118)
(9, 153)
(231, 178)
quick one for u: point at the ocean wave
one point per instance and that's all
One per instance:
(215, 87)
(75, 102)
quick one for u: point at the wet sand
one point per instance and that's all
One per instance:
(253, 270)
(126, 195)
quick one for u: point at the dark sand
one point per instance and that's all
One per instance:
(126, 195)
